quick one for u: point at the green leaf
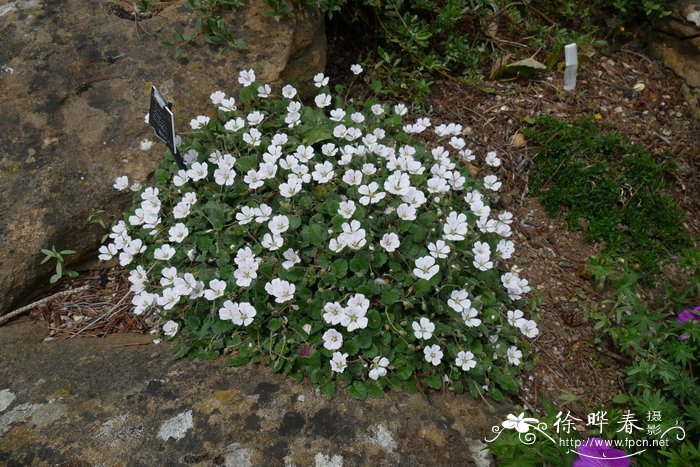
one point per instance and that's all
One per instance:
(317, 135)
(404, 373)
(220, 326)
(359, 264)
(373, 390)
(390, 296)
(328, 389)
(374, 320)
(340, 268)
(238, 360)
(364, 339)
(247, 163)
(54, 279)
(357, 390)
(351, 347)
(275, 324)
(314, 234)
(378, 260)
(216, 214)
(434, 381)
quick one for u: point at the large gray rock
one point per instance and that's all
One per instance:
(116, 401)
(75, 77)
(676, 43)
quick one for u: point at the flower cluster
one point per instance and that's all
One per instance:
(320, 237)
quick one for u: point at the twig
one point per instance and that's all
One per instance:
(31, 306)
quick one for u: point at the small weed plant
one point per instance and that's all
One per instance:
(59, 258)
(329, 241)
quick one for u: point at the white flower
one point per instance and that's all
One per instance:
(337, 115)
(357, 117)
(426, 267)
(469, 315)
(323, 173)
(228, 105)
(356, 69)
(264, 91)
(252, 137)
(371, 193)
(459, 300)
(332, 339)
(241, 314)
(178, 232)
(439, 249)
(320, 80)
(272, 242)
(143, 301)
(292, 258)
(180, 178)
(291, 187)
(288, 91)
(333, 313)
(322, 100)
(121, 183)
(198, 171)
(515, 318)
(283, 291)
(505, 248)
(339, 361)
(346, 209)
(455, 227)
(262, 213)
(433, 354)
(169, 299)
(107, 252)
(246, 215)
(352, 177)
(406, 212)
(378, 367)
(336, 245)
(278, 224)
(216, 97)
(353, 317)
(199, 122)
(170, 328)
(529, 328)
(400, 109)
(390, 242)
(423, 329)
(492, 159)
(491, 182)
(253, 179)
(482, 262)
(235, 124)
(255, 118)
(164, 253)
(377, 109)
(398, 183)
(457, 143)
(169, 276)
(224, 176)
(465, 360)
(246, 78)
(514, 355)
(216, 289)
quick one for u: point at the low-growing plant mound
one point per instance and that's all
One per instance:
(328, 241)
(611, 189)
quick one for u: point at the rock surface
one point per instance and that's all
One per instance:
(75, 78)
(676, 43)
(114, 401)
